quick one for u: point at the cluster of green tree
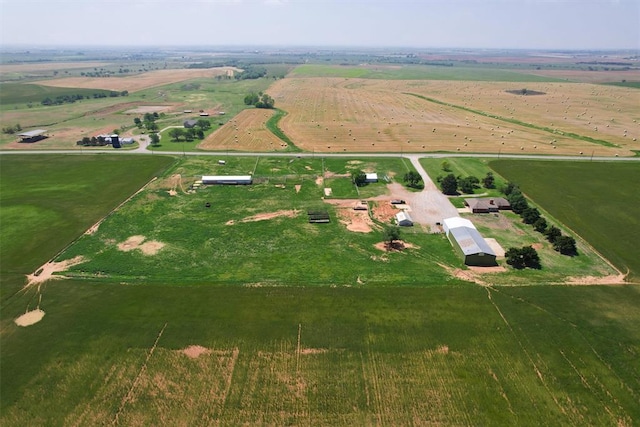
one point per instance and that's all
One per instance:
(413, 180)
(359, 178)
(188, 134)
(390, 234)
(566, 245)
(190, 86)
(251, 72)
(451, 184)
(259, 100)
(525, 257)
(154, 138)
(10, 130)
(70, 99)
(148, 121)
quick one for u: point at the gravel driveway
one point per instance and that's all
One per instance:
(429, 206)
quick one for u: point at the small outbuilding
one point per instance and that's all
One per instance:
(227, 180)
(371, 177)
(403, 219)
(33, 135)
(468, 241)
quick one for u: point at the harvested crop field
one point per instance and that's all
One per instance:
(138, 81)
(46, 66)
(246, 131)
(337, 114)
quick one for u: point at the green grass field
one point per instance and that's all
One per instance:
(408, 346)
(417, 72)
(44, 205)
(22, 93)
(597, 200)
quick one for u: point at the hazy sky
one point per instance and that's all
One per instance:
(544, 24)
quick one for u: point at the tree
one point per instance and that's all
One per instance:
(525, 257)
(359, 178)
(391, 233)
(468, 184)
(446, 166)
(413, 179)
(449, 185)
(540, 225)
(553, 233)
(154, 138)
(566, 245)
(200, 133)
(530, 215)
(265, 101)
(489, 181)
(510, 188)
(176, 133)
(152, 126)
(137, 122)
(251, 99)
(518, 202)
(203, 124)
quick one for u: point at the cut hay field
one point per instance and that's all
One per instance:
(245, 132)
(368, 115)
(134, 83)
(425, 348)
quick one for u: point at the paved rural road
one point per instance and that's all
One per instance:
(428, 207)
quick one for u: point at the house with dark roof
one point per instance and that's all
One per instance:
(190, 123)
(487, 204)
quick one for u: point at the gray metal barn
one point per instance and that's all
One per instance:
(469, 242)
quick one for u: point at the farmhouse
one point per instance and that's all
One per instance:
(467, 240)
(227, 180)
(190, 123)
(486, 204)
(33, 135)
(403, 219)
(371, 177)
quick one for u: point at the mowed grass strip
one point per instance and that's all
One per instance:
(325, 356)
(47, 201)
(597, 200)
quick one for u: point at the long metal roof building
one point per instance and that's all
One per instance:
(463, 235)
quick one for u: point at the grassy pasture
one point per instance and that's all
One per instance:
(364, 115)
(422, 351)
(70, 122)
(567, 190)
(417, 72)
(254, 251)
(16, 93)
(40, 195)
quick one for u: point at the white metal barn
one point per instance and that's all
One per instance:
(371, 177)
(466, 239)
(403, 219)
(227, 180)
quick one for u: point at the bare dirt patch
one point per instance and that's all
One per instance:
(397, 246)
(466, 275)
(313, 350)
(46, 272)
(292, 213)
(195, 351)
(298, 187)
(30, 318)
(443, 349)
(355, 220)
(319, 181)
(384, 211)
(143, 109)
(614, 279)
(150, 247)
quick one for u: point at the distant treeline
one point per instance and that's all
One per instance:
(69, 99)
